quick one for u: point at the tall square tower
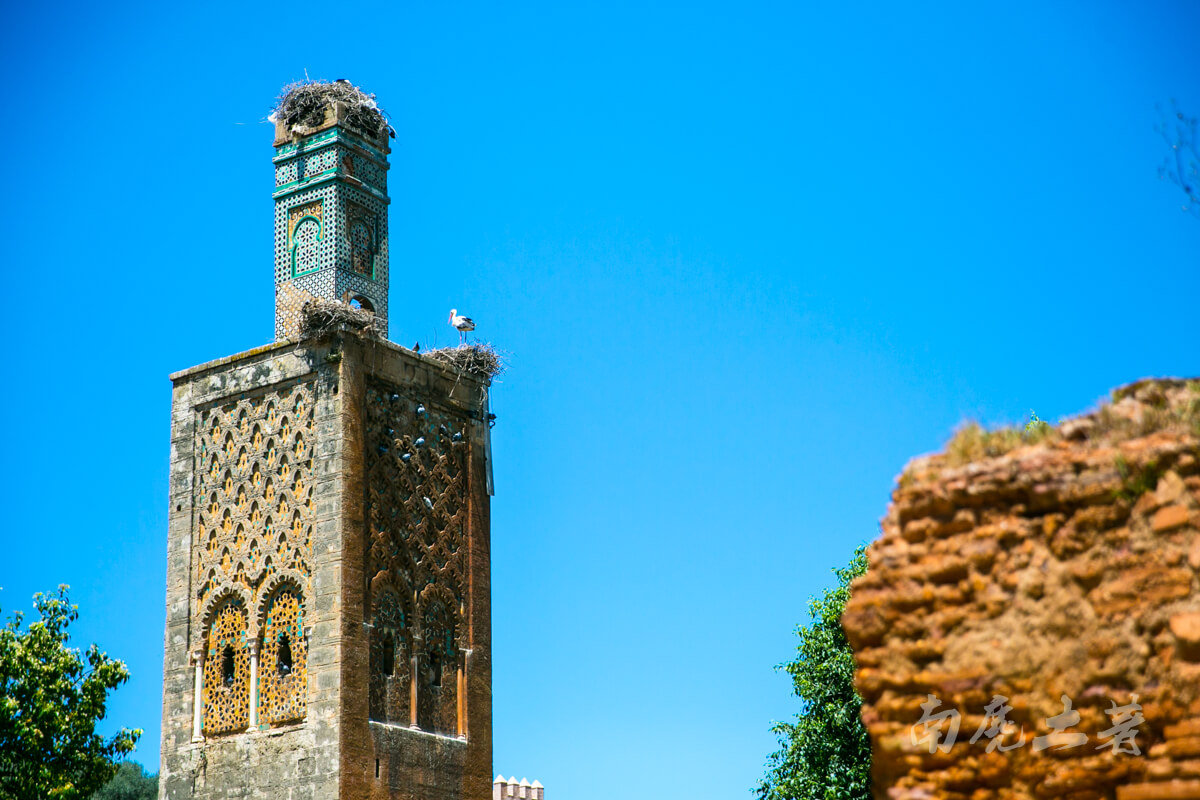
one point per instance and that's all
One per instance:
(328, 628)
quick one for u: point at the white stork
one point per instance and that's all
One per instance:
(461, 324)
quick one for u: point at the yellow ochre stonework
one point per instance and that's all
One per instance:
(253, 548)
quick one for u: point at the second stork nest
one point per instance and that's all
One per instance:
(304, 104)
(477, 358)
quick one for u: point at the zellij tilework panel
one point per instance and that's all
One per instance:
(340, 182)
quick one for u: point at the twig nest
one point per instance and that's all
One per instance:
(477, 358)
(303, 104)
(319, 316)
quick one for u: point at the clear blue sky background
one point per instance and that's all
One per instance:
(749, 259)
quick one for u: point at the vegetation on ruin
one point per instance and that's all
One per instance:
(1136, 410)
(51, 698)
(825, 753)
(971, 442)
(1136, 480)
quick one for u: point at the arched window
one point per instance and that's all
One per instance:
(283, 673)
(437, 695)
(306, 239)
(390, 676)
(227, 671)
(362, 248)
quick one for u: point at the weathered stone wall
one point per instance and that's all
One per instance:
(1067, 567)
(334, 751)
(389, 761)
(264, 763)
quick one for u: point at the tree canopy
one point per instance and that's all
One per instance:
(51, 698)
(825, 753)
(131, 782)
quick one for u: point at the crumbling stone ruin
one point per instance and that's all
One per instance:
(1060, 575)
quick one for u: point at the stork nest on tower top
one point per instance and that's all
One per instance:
(319, 316)
(303, 104)
(477, 358)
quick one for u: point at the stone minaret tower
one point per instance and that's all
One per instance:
(331, 207)
(328, 628)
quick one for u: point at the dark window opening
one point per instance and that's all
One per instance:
(227, 666)
(435, 669)
(284, 662)
(389, 655)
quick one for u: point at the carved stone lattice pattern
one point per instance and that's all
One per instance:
(282, 660)
(254, 511)
(416, 468)
(227, 671)
(391, 669)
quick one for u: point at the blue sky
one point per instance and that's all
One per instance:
(748, 259)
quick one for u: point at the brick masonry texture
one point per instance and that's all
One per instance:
(1064, 567)
(333, 750)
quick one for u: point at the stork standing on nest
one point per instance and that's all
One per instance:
(461, 324)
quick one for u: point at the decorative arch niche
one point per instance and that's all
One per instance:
(438, 662)
(227, 669)
(390, 686)
(283, 657)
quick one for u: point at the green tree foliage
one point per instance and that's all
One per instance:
(50, 700)
(131, 782)
(825, 754)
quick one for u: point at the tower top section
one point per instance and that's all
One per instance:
(331, 201)
(308, 108)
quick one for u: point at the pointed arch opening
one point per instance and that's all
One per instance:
(283, 658)
(226, 694)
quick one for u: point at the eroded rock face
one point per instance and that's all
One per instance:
(1062, 568)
